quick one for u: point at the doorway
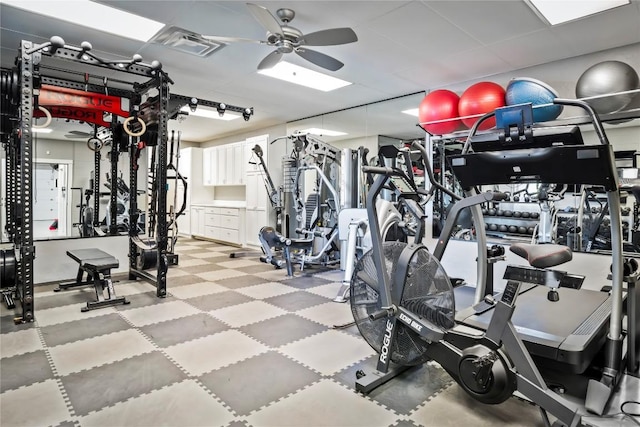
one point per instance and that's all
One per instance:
(51, 199)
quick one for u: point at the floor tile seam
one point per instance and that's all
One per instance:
(235, 362)
(104, 311)
(288, 395)
(208, 312)
(47, 353)
(299, 362)
(111, 362)
(89, 338)
(158, 348)
(214, 396)
(131, 398)
(406, 418)
(290, 342)
(246, 324)
(56, 375)
(446, 386)
(254, 338)
(319, 276)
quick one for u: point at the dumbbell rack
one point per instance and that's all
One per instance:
(512, 221)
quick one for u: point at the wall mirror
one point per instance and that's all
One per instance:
(64, 166)
(578, 216)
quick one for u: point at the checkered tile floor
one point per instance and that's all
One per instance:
(236, 343)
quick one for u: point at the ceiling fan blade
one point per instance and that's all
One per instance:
(320, 59)
(270, 60)
(232, 39)
(331, 37)
(79, 133)
(265, 18)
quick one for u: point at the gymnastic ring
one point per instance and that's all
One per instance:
(94, 144)
(47, 115)
(126, 126)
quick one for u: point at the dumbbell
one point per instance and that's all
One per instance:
(525, 214)
(513, 229)
(530, 230)
(503, 228)
(629, 266)
(495, 250)
(507, 213)
(499, 212)
(517, 214)
(493, 227)
(522, 230)
(516, 198)
(535, 215)
(492, 211)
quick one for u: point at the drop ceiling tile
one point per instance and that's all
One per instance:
(532, 49)
(477, 18)
(422, 30)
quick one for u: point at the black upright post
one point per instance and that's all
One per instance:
(96, 189)
(161, 186)
(24, 185)
(134, 153)
(113, 194)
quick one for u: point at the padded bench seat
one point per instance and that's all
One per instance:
(97, 264)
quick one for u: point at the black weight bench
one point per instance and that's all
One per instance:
(97, 264)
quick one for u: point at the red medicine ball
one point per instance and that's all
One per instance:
(440, 104)
(481, 98)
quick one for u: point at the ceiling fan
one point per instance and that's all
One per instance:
(287, 39)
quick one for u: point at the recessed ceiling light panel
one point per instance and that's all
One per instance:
(93, 15)
(559, 11)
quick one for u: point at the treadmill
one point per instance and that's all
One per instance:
(568, 333)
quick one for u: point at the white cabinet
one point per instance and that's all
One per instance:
(190, 166)
(256, 193)
(224, 165)
(184, 223)
(221, 224)
(257, 214)
(210, 166)
(255, 220)
(239, 164)
(197, 220)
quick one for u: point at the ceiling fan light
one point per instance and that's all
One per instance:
(305, 77)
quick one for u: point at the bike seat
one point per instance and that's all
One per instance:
(543, 255)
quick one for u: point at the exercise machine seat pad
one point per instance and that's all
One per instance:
(543, 255)
(101, 264)
(95, 259)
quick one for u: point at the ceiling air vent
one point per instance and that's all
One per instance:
(187, 41)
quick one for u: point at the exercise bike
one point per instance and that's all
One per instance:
(404, 304)
(405, 309)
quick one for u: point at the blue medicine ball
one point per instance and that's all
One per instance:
(523, 90)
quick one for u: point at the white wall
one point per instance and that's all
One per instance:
(52, 264)
(459, 260)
